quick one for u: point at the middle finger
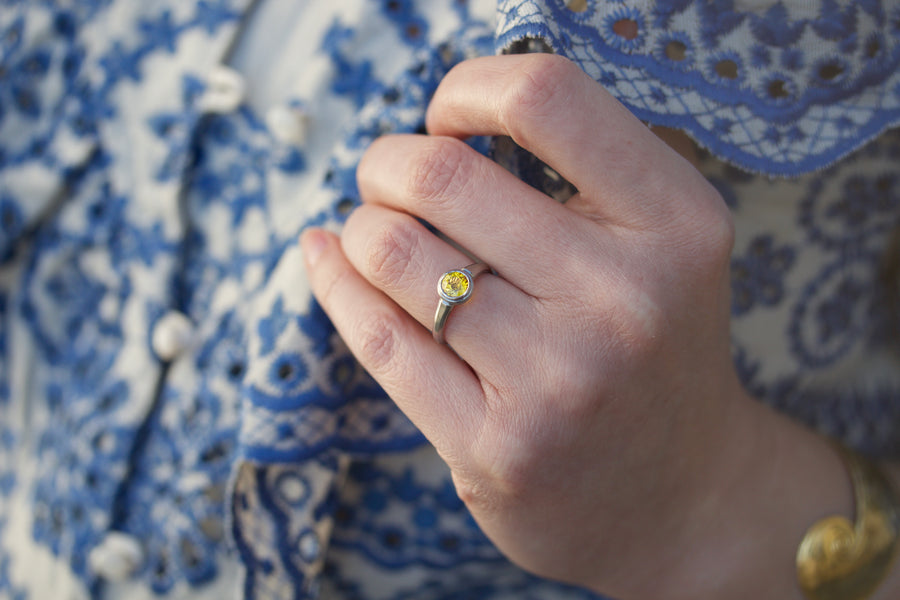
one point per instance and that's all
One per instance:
(481, 206)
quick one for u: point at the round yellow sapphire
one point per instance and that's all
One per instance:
(454, 284)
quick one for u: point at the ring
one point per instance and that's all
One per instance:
(454, 287)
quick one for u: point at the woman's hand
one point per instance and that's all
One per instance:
(588, 408)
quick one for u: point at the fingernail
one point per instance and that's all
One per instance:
(313, 242)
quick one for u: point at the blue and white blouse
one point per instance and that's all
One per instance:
(177, 416)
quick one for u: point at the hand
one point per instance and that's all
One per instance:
(588, 410)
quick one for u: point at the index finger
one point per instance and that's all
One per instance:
(547, 105)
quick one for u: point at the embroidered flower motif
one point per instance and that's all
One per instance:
(623, 29)
(212, 14)
(21, 75)
(375, 505)
(735, 81)
(851, 210)
(676, 49)
(834, 316)
(758, 276)
(834, 313)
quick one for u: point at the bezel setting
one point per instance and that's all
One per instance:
(460, 298)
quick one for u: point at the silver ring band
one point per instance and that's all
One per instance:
(454, 287)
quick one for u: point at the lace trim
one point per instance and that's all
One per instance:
(782, 92)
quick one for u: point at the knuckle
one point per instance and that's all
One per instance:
(390, 256)
(576, 393)
(631, 322)
(536, 89)
(474, 493)
(506, 463)
(332, 286)
(711, 239)
(435, 173)
(625, 323)
(639, 341)
(377, 342)
(514, 478)
(640, 325)
(499, 484)
(720, 233)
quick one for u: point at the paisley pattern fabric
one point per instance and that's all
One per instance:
(178, 418)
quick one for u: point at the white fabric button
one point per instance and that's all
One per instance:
(171, 335)
(309, 546)
(288, 124)
(117, 557)
(224, 92)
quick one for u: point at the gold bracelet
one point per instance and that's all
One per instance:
(839, 560)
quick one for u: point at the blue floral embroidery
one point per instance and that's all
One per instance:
(376, 523)
(834, 412)
(862, 212)
(7, 586)
(74, 315)
(240, 445)
(833, 313)
(355, 78)
(686, 72)
(413, 28)
(831, 288)
(758, 276)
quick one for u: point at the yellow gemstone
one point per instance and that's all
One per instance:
(454, 284)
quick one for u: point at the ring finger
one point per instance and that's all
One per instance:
(399, 256)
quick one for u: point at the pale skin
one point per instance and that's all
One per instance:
(588, 410)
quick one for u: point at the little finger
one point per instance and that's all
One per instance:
(435, 389)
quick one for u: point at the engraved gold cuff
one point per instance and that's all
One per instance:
(839, 560)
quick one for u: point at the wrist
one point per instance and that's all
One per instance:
(889, 588)
(772, 480)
